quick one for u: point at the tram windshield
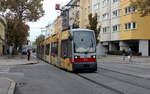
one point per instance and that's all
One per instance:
(84, 42)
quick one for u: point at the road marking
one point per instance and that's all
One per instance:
(13, 73)
(4, 69)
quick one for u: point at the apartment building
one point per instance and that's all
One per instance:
(134, 29)
(2, 34)
(78, 11)
(121, 27)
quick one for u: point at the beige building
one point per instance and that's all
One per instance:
(85, 10)
(121, 27)
(2, 34)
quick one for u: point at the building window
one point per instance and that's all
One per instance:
(130, 26)
(114, 1)
(116, 28)
(105, 2)
(115, 13)
(96, 6)
(106, 29)
(133, 25)
(129, 10)
(105, 16)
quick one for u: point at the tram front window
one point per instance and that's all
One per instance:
(84, 42)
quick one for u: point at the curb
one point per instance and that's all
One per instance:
(24, 63)
(12, 86)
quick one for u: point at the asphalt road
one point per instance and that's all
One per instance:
(43, 78)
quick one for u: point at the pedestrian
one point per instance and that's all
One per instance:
(123, 54)
(28, 54)
(130, 54)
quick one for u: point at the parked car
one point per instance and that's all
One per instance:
(24, 52)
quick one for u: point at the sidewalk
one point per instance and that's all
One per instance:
(139, 66)
(17, 60)
(119, 59)
(7, 86)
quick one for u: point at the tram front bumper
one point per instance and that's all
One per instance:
(89, 66)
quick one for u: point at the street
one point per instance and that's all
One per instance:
(74, 46)
(111, 78)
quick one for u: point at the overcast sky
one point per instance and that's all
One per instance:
(50, 15)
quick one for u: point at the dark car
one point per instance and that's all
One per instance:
(24, 52)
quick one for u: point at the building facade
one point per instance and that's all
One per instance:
(85, 10)
(55, 27)
(3, 26)
(78, 12)
(74, 11)
(121, 27)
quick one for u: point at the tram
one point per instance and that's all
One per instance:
(73, 50)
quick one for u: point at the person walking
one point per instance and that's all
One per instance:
(123, 54)
(28, 54)
(130, 54)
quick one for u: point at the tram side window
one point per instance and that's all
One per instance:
(47, 49)
(66, 49)
(37, 51)
(54, 49)
(42, 49)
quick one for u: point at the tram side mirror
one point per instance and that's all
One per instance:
(70, 37)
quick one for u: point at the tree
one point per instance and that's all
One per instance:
(24, 10)
(39, 39)
(143, 6)
(17, 13)
(93, 25)
(16, 31)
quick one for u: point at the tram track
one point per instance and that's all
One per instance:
(124, 73)
(100, 84)
(131, 82)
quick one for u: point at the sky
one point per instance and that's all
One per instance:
(50, 15)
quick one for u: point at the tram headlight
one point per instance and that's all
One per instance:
(76, 57)
(94, 56)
